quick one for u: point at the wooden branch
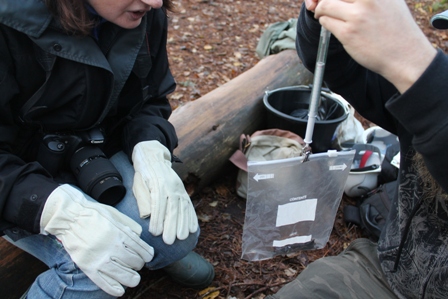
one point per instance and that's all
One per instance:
(209, 127)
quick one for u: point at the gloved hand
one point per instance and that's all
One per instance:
(103, 242)
(161, 194)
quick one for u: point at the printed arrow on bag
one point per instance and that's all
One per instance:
(338, 167)
(258, 177)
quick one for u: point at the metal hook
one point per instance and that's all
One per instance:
(306, 152)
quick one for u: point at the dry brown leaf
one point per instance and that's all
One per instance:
(209, 293)
(204, 218)
(176, 96)
(290, 272)
(213, 204)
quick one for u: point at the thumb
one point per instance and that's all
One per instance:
(311, 4)
(142, 195)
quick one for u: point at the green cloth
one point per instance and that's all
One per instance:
(355, 273)
(277, 37)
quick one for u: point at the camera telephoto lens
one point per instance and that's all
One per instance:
(97, 176)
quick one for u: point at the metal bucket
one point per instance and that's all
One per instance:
(288, 110)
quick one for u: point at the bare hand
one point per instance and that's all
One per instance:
(381, 35)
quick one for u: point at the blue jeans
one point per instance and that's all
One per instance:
(65, 280)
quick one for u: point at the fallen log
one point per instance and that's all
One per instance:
(208, 130)
(209, 127)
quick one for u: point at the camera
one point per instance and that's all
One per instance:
(80, 154)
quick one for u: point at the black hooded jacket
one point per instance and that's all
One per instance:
(413, 246)
(52, 83)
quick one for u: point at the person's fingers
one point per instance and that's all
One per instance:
(114, 273)
(142, 195)
(137, 250)
(111, 285)
(380, 24)
(183, 219)
(193, 224)
(171, 220)
(159, 199)
(311, 4)
(336, 9)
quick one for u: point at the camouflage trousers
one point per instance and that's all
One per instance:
(355, 273)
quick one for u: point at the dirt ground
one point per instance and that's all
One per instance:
(211, 42)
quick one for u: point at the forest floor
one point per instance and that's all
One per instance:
(211, 42)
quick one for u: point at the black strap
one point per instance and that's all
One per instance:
(372, 209)
(351, 215)
(46, 60)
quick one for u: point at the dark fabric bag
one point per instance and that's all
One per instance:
(371, 212)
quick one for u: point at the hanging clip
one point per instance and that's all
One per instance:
(306, 151)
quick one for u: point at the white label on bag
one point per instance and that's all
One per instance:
(290, 241)
(295, 212)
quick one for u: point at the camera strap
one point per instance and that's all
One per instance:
(46, 60)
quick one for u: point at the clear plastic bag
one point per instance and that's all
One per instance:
(291, 205)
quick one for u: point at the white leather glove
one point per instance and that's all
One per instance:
(161, 194)
(103, 242)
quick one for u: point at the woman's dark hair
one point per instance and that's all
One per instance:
(74, 16)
